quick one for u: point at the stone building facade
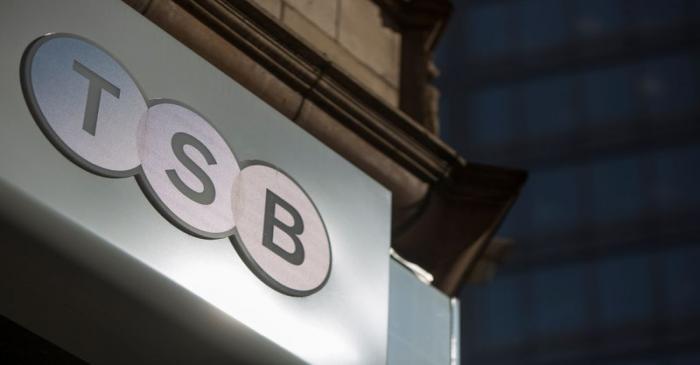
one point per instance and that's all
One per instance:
(356, 74)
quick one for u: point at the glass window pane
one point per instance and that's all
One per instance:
(617, 190)
(694, 11)
(489, 121)
(684, 359)
(598, 17)
(655, 13)
(682, 289)
(625, 294)
(486, 30)
(541, 24)
(610, 94)
(505, 317)
(559, 296)
(555, 197)
(474, 305)
(677, 182)
(549, 107)
(669, 84)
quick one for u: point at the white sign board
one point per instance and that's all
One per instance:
(115, 128)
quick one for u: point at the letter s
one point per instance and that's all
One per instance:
(178, 143)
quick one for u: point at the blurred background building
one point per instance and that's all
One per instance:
(598, 99)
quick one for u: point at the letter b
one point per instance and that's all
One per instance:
(279, 232)
(272, 201)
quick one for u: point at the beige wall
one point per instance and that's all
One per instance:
(352, 33)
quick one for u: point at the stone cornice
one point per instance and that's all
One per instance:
(313, 75)
(457, 222)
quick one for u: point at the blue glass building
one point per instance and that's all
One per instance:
(600, 101)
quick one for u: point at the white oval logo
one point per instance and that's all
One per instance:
(187, 169)
(91, 109)
(287, 245)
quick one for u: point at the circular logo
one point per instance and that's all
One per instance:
(188, 169)
(279, 232)
(85, 102)
(91, 109)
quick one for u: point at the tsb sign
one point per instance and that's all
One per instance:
(93, 111)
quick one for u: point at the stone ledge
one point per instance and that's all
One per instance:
(340, 56)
